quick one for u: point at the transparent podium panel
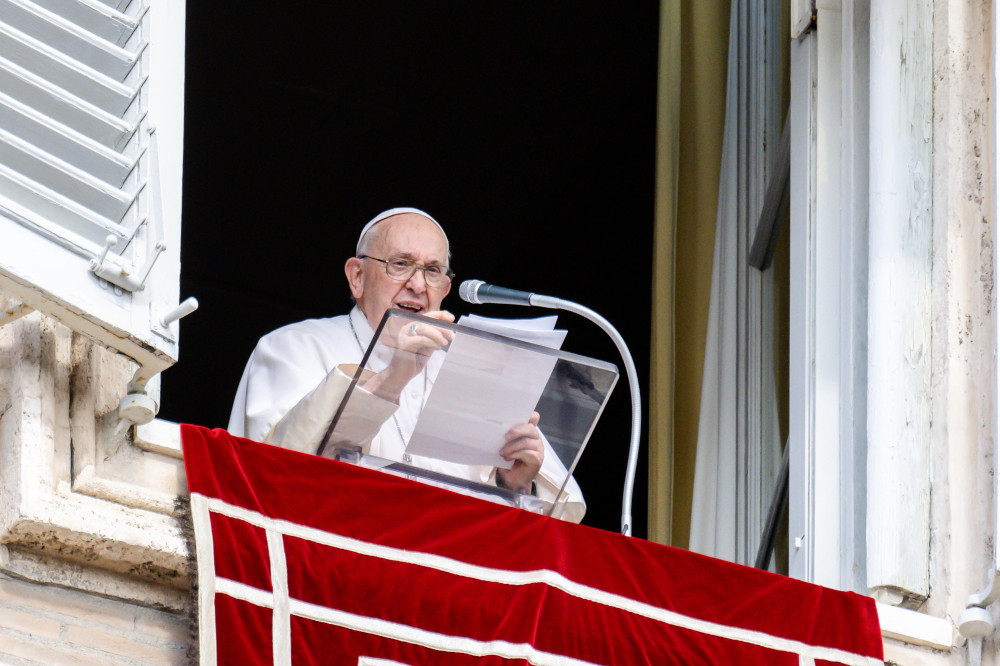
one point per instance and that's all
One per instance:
(437, 402)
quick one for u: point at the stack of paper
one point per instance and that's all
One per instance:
(483, 389)
(540, 330)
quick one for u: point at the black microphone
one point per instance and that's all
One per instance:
(478, 292)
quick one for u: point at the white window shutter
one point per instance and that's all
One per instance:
(91, 144)
(802, 15)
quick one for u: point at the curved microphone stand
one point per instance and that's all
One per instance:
(633, 385)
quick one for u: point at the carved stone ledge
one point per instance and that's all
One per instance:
(80, 504)
(32, 566)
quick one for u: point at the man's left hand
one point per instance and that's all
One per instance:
(524, 446)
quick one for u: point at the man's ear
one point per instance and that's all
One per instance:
(354, 269)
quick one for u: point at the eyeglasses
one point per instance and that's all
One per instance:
(402, 269)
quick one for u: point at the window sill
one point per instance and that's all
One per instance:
(914, 627)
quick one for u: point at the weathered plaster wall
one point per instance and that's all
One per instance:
(963, 388)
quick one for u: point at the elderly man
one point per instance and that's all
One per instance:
(297, 375)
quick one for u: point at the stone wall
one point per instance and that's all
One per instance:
(94, 564)
(52, 624)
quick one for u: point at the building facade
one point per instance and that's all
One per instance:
(891, 373)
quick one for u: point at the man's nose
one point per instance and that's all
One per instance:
(417, 283)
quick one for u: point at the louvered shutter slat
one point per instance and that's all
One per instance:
(95, 17)
(77, 155)
(37, 93)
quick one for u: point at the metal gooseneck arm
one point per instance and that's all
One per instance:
(633, 385)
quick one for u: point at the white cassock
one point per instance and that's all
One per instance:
(295, 380)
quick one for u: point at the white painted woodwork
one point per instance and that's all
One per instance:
(826, 437)
(802, 325)
(100, 19)
(91, 136)
(853, 291)
(899, 339)
(801, 17)
(37, 92)
(828, 298)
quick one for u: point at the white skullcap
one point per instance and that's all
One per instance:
(399, 211)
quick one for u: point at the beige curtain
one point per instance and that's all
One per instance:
(691, 109)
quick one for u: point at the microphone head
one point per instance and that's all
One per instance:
(467, 291)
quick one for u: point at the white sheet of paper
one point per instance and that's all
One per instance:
(537, 330)
(484, 388)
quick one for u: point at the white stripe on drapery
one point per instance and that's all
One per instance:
(434, 640)
(540, 576)
(205, 552)
(244, 592)
(400, 632)
(281, 620)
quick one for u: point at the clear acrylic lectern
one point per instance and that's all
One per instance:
(452, 392)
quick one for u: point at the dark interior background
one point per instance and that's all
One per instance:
(526, 128)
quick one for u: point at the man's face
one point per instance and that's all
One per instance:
(405, 235)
